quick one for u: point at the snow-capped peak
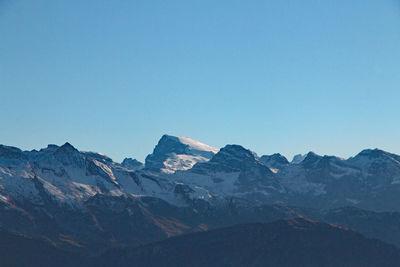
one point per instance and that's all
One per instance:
(173, 153)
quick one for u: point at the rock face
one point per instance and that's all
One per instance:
(275, 161)
(132, 164)
(298, 158)
(10, 153)
(237, 173)
(292, 242)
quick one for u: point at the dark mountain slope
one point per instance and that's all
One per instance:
(381, 225)
(18, 250)
(292, 242)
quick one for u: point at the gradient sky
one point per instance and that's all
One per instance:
(273, 76)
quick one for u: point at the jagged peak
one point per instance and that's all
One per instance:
(131, 160)
(238, 151)
(312, 156)
(131, 163)
(277, 157)
(311, 159)
(235, 154)
(69, 155)
(50, 147)
(67, 146)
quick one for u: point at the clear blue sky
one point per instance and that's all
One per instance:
(273, 76)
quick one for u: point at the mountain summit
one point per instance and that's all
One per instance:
(174, 153)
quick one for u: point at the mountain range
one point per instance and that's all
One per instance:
(85, 201)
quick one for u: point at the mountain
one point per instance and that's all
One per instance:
(233, 173)
(132, 164)
(275, 162)
(174, 153)
(289, 242)
(73, 197)
(19, 250)
(292, 242)
(323, 182)
(378, 167)
(381, 225)
(298, 158)
(183, 171)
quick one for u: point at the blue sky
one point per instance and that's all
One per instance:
(273, 76)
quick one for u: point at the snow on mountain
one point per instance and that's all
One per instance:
(196, 147)
(63, 173)
(379, 168)
(365, 158)
(234, 172)
(322, 182)
(182, 171)
(60, 191)
(173, 153)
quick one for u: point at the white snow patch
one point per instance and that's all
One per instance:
(181, 162)
(274, 170)
(196, 145)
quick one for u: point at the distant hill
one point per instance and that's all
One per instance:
(291, 242)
